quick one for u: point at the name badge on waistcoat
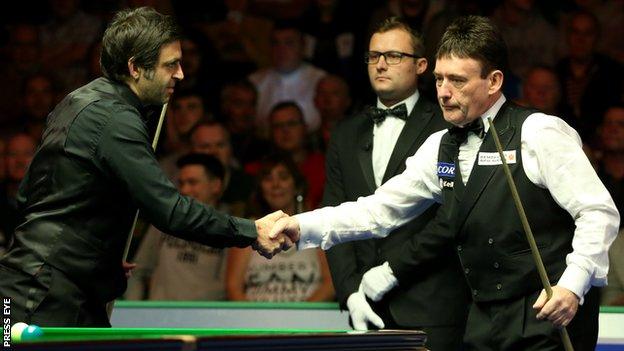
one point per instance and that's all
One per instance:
(446, 173)
(493, 158)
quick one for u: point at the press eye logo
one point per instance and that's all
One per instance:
(6, 323)
(446, 170)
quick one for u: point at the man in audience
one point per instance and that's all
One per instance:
(170, 268)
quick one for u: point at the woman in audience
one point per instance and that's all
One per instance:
(291, 275)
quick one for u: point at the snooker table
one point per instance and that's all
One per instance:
(68, 339)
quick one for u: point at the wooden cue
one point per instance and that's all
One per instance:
(563, 332)
(110, 305)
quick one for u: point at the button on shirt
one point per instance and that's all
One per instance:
(552, 158)
(386, 134)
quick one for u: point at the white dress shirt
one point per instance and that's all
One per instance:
(386, 134)
(552, 158)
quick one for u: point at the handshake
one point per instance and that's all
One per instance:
(277, 232)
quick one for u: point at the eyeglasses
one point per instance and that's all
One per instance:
(392, 57)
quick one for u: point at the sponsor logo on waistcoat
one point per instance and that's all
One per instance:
(446, 170)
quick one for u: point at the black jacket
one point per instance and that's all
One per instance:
(94, 168)
(438, 295)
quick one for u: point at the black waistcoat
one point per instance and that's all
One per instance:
(491, 243)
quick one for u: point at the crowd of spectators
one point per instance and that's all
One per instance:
(273, 77)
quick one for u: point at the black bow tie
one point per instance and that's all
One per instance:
(379, 114)
(459, 134)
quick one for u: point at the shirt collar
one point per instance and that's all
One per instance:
(146, 111)
(492, 111)
(410, 102)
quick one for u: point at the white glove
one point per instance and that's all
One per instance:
(361, 313)
(378, 281)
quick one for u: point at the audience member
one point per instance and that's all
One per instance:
(289, 78)
(66, 40)
(186, 111)
(416, 13)
(238, 113)
(541, 89)
(38, 100)
(170, 268)
(288, 134)
(241, 39)
(330, 40)
(530, 39)
(590, 81)
(199, 58)
(332, 99)
(20, 149)
(213, 139)
(291, 275)
(24, 59)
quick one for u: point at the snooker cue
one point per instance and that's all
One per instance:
(563, 332)
(110, 305)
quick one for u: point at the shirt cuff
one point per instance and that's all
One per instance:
(577, 280)
(245, 227)
(310, 231)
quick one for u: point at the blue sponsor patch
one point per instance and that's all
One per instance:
(446, 170)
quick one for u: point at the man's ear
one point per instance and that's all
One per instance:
(495, 81)
(133, 69)
(421, 65)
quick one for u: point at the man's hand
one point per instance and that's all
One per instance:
(269, 246)
(361, 313)
(287, 226)
(561, 307)
(378, 281)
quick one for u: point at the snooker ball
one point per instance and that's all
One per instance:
(32, 332)
(24, 332)
(16, 331)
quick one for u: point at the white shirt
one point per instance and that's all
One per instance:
(386, 134)
(298, 86)
(552, 158)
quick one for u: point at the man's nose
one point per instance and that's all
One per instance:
(179, 74)
(382, 65)
(443, 91)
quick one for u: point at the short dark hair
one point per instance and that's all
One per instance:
(211, 124)
(212, 166)
(477, 38)
(587, 14)
(287, 104)
(186, 93)
(244, 83)
(137, 35)
(394, 22)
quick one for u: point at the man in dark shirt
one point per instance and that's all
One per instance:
(94, 168)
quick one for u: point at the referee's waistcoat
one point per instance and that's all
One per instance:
(491, 243)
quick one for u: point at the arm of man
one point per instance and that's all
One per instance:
(399, 200)
(124, 152)
(553, 158)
